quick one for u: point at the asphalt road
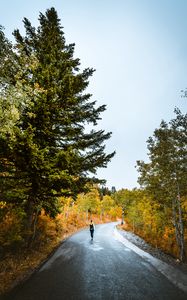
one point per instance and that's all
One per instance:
(104, 269)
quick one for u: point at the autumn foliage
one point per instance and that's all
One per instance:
(150, 220)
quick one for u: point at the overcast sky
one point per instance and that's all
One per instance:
(139, 51)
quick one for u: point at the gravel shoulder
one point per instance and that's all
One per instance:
(155, 252)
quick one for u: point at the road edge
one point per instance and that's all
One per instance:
(174, 275)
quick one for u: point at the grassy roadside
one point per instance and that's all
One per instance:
(15, 267)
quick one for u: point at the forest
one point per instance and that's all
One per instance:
(49, 158)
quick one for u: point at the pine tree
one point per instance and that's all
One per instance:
(53, 154)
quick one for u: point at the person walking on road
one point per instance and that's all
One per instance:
(92, 227)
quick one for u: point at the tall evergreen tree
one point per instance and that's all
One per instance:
(53, 154)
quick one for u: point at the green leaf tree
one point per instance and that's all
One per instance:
(166, 174)
(106, 205)
(89, 202)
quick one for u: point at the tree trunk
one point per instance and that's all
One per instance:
(122, 217)
(29, 215)
(34, 223)
(179, 228)
(133, 229)
(175, 221)
(29, 220)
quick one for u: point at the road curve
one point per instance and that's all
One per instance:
(101, 269)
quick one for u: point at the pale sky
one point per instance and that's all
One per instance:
(139, 51)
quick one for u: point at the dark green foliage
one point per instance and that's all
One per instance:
(50, 153)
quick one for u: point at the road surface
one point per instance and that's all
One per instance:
(101, 269)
